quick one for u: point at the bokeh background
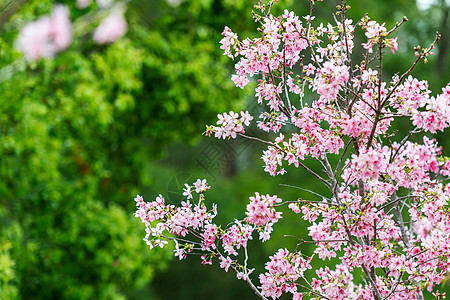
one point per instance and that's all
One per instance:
(83, 133)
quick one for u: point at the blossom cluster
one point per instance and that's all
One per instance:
(230, 124)
(376, 34)
(283, 269)
(166, 222)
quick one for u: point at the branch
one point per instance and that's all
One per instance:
(302, 241)
(403, 142)
(395, 285)
(8, 9)
(326, 183)
(397, 25)
(372, 283)
(250, 283)
(394, 201)
(313, 292)
(282, 107)
(287, 101)
(379, 102)
(347, 51)
(16, 66)
(342, 158)
(257, 139)
(331, 175)
(399, 218)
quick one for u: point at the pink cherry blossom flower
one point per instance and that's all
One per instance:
(240, 81)
(260, 210)
(225, 263)
(230, 125)
(187, 191)
(201, 186)
(245, 118)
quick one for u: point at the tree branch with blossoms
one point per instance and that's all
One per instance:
(388, 214)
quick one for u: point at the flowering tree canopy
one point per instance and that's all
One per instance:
(388, 215)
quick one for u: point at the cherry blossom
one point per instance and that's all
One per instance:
(230, 124)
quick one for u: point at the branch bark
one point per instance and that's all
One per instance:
(8, 9)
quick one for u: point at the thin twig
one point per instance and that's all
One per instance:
(303, 189)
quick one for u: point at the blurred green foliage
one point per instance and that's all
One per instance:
(8, 287)
(81, 134)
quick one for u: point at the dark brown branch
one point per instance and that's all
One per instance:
(397, 25)
(342, 157)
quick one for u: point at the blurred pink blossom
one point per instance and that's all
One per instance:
(46, 36)
(83, 3)
(110, 29)
(60, 29)
(174, 2)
